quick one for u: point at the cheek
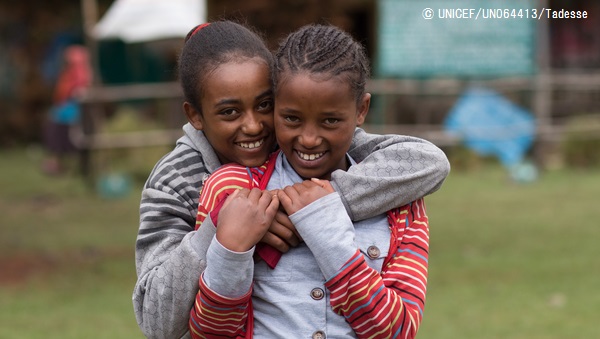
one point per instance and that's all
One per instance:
(280, 128)
(218, 132)
(345, 136)
(268, 121)
(282, 135)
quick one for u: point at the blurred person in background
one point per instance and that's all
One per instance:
(74, 78)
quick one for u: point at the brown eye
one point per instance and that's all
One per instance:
(266, 106)
(228, 113)
(291, 118)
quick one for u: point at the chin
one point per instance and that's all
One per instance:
(254, 162)
(310, 174)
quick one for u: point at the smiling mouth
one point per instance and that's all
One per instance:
(251, 145)
(310, 157)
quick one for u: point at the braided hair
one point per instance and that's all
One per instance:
(208, 46)
(320, 49)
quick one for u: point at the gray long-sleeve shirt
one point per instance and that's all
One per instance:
(170, 255)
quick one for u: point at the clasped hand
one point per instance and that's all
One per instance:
(251, 216)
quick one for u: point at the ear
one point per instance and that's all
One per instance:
(193, 116)
(363, 108)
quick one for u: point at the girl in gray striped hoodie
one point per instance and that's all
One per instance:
(225, 71)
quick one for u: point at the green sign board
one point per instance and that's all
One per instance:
(464, 38)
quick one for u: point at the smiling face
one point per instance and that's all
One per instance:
(237, 112)
(315, 118)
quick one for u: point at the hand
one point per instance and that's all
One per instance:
(245, 217)
(294, 198)
(282, 234)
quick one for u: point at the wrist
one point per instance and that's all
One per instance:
(233, 244)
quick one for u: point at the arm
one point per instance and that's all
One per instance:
(169, 253)
(214, 314)
(393, 170)
(376, 304)
(392, 301)
(222, 302)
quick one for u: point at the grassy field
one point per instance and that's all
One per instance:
(507, 260)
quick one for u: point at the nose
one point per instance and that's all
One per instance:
(309, 138)
(252, 124)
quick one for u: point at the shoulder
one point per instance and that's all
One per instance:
(227, 175)
(179, 172)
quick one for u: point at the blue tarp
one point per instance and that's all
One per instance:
(490, 124)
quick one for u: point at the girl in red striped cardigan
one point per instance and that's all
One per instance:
(365, 280)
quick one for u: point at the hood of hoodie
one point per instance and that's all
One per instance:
(196, 140)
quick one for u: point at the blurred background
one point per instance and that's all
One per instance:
(513, 100)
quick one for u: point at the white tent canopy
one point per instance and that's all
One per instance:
(147, 20)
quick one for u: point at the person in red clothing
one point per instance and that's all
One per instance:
(74, 78)
(364, 279)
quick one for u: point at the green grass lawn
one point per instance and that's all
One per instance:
(66, 255)
(507, 260)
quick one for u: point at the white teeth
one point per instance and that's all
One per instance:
(310, 157)
(251, 145)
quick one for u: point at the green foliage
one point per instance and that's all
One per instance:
(507, 260)
(581, 143)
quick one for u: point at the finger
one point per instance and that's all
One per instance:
(292, 191)
(287, 197)
(324, 184)
(276, 242)
(243, 192)
(265, 199)
(254, 195)
(273, 206)
(285, 230)
(230, 198)
(283, 219)
(305, 186)
(284, 199)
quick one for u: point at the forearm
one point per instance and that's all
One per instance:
(372, 310)
(393, 170)
(326, 228)
(215, 316)
(165, 293)
(222, 302)
(170, 257)
(228, 273)
(387, 304)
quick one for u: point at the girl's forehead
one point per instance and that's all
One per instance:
(235, 60)
(310, 82)
(237, 70)
(313, 76)
(303, 92)
(231, 80)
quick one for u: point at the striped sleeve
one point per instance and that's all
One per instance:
(219, 185)
(388, 304)
(216, 316)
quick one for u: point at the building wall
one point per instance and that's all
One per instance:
(29, 28)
